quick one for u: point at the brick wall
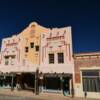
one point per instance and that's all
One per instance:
(82, 61)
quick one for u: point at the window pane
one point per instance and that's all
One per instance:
(51, 58)
(6, 60)
(37, 48)
(60, 58)
(32, 45)
(12, 60)
(90, 73)
(91, 84)
(26, 49)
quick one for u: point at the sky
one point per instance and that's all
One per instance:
(82, 15)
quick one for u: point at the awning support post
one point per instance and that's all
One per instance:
(12, 82)
(36, 82)
(72, 89)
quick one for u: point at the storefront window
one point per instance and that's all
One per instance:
(91, 81)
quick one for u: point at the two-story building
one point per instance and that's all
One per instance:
(57, 64)
(10, 59)
(20, 56)
(38, 48)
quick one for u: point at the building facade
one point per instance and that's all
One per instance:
(87, 74)
(42, 60)
(20, 56)
(10, 60)
(56, 60)
(38, 58)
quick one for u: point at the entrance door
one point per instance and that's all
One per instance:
(52, 84)
(27, 81)
(66, 87)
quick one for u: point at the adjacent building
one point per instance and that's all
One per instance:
(87, 74)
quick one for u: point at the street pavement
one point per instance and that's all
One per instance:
(6, 94)
(8, 97)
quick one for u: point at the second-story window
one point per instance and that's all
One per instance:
(26, 49)
(37, 48)
(60, 57)
(32, 44)
(51, 58)
(6, 60)
(13, 60)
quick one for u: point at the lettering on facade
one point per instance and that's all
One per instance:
(55, 38)
(11, 44)
(55, 44)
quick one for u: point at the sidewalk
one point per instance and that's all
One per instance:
(42, 96)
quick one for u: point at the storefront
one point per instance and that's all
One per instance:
(8, 80)
(87, 75)
(91, 80)
(56, 83)
(27, 81)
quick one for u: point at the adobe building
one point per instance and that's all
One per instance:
(87, 74)
(39, 59)
(20, 57)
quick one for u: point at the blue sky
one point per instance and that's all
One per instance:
(82, 15)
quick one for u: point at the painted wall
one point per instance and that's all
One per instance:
(54, 40)
(31, 34)
(11, 48)
(16, 44)
(57, 40)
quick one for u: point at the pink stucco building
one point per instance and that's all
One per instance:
(56, 59)
(38, 58)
